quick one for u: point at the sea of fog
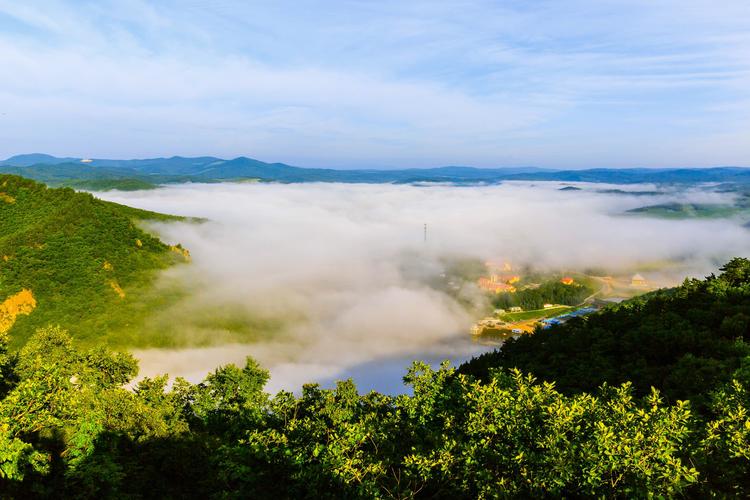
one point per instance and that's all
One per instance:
(340, 269)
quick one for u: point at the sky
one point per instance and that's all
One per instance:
(382, 83)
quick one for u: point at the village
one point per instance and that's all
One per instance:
(515, 320)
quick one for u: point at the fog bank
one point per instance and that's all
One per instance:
(330, 276)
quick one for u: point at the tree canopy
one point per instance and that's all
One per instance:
(72, 427)
(650, 397)
(686, 341)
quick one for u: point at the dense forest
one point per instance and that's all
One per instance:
(549, 292)
(82, 176)
(82, 262)
(70, 427)
(212, 169)
(649, 397)
(686, 341)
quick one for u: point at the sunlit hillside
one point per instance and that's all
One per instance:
(468, 250)
(69, 259)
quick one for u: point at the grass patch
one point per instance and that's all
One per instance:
(535, 314)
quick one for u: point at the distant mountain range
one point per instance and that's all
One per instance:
(98, 173)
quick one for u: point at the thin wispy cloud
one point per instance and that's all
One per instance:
(355, 83)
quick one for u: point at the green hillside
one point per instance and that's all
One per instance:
(71, 430)
(85, 262)
(81, 176)
(50, 169)
(686, 342)
(649, 398)
(687, 210)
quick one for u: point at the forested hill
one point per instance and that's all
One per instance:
(70, 429)
(96, 173)
(686, 341)
(70, 259)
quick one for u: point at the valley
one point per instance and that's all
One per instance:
(324, 282)
(317, 280)
(469, 250)
(379, 293)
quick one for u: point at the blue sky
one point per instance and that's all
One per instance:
(385, 83)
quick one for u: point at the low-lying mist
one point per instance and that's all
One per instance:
(313, 279)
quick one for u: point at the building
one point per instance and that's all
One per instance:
(638, 281)
(504, 278)
(499, 283)
(516, 309)
(507, 278)
(494, 286)
(487, 323)
(498, 266)
(548, 306)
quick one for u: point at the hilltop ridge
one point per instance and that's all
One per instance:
(95, 173)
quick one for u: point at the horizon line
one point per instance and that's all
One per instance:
(80, 159)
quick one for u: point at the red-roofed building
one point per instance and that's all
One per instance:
(495, 286)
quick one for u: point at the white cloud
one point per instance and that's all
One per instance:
(415, 83)
(338, 270)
